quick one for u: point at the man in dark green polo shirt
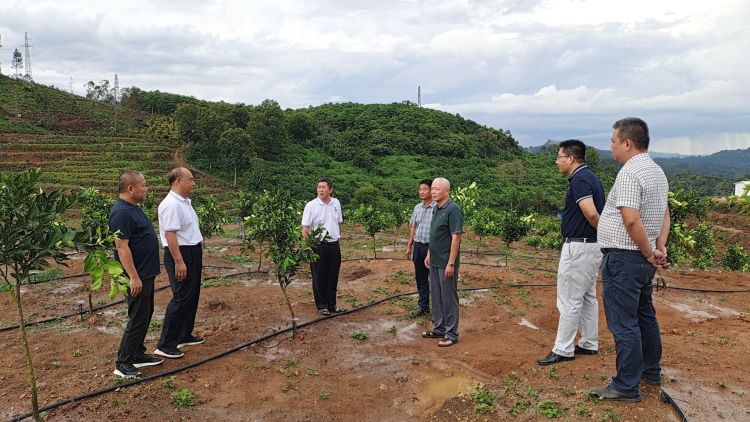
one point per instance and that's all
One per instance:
(443, 261)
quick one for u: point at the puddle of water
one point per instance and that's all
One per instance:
(525, 322)
(437, 390)
(691, 314)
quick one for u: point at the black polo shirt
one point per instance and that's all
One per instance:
(583, 184)
(133, 225)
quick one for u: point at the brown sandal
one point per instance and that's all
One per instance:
(432, 334)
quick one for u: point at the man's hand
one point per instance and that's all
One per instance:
(661, 257)
(180, 271)
(408, 253)
(449, 271)
(136, 286)
(427, 261)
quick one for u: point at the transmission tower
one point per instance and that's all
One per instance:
(419, 96)
(1, 46)
(116, 90)
(26, 46)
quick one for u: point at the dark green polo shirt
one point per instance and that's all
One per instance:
(445, 222)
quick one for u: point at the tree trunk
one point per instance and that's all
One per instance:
(16, 293)
(260, 256)
(374, 248)
(91, 305)
(235, 177)
(289, 305)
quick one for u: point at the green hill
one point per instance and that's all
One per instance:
(79, 142)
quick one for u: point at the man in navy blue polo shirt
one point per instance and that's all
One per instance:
(580, 257)
(138, 252)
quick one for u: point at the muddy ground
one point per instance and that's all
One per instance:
(325, 374)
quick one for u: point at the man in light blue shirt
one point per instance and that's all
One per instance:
(418, 244)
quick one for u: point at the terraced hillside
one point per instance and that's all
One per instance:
(75, 143)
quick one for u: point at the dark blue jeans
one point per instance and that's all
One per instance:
(422, 274)
(631, 317)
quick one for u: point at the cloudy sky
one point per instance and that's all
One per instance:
(541, 69)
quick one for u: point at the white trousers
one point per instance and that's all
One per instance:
(576, 297)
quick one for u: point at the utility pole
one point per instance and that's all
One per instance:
(1, 46)
(115, 94)
(70, 85)
(26, 46)
(419, 95)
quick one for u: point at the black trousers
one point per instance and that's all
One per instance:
(179, 318)
(325, 275)
(140, 310)
(422, 274)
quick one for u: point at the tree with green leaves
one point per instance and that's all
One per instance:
(210, 215)
(373, 221)
(31, 235)
(278, 219)
(267, 130)
(466, 198)
(513, 227)
(235, 149)
(17, 63)
(486, 223)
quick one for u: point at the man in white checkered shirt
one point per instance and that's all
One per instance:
(632, 232)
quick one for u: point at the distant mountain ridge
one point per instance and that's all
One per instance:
(733, 164)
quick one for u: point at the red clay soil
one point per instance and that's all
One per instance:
(324, 373)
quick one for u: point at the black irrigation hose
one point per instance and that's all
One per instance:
(99, 308)
(65, 277)
(662, 284)
(666, 398)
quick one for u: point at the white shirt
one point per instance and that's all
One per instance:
(176, 214)
(641, 185)
(328, 215)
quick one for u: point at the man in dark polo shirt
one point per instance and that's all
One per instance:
(579, 258)
(138, 252)
(443, 261)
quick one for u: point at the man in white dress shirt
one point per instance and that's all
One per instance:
(181, 238)
(325, 211)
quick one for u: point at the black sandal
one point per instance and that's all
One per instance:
(432, 334)
(324, 312)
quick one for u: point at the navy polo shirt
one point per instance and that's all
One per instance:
(583, 184)
(133, 225)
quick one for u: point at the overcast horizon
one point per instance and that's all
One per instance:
(540, 69)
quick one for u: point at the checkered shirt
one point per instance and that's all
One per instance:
(421, 217)
(642, 185)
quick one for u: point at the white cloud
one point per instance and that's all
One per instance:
(542, 68)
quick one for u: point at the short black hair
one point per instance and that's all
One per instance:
(427, 182)
(328, 181)
(634, 129)
(575, 149)
(127, 178)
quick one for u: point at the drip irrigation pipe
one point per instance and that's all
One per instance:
(99, 308)
(666, 398)
(239, 347)
(65, 277)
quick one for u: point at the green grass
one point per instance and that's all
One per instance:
(183, 398)
(483, 399)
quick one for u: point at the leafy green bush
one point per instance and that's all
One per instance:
(550, 409)
(736, 259)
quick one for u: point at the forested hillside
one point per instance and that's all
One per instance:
(388, 146)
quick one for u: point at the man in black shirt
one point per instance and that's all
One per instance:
(580, 257)
(138, 252)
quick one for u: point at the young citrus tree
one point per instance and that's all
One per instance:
(279, 219)
(31, 237)
(513, 227)
(210, 215)
(486, 223)
(374, 221)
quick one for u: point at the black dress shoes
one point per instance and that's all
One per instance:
(610, 394)
(553, 358)
(582, 351)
